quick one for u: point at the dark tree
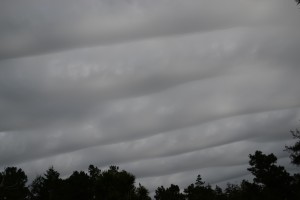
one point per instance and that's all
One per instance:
(142, 193)
(199, 190)
(12, 184)
(233, 191)
(115, 185)
(275, 181)
(78, 186)
(295, 186)
(53, 184)
(295, 149)
(160, 193)
(199, 181)
(94, 172)
(250, 191)
(47, 187)
(219, 195)
(298, 1)
(38, 189)
(173, 192)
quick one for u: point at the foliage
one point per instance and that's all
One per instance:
(113, 184)
(199, 190)
(273, 179)
(173, 192)
(78, 186)
(12, 185)
(48, 186)
(110, 184)
(294, 150)
(142, 193)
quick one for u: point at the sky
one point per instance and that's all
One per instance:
(164, 89)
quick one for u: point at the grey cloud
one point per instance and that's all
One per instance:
(71, 87)
(35, 27)
(179, 88)
(98, 74)
(175, 143)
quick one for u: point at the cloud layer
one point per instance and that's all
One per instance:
(164, 89)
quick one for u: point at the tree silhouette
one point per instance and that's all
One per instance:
(199, 190)
(47, 187)
(78, 186)
(233, 191)
(199, 181)
(111, 184)
(38, 189)
(219, 195)
(173, 192)
(94, 172)
(115, 185)
(142, 193)
(295, 186)
(250, 191)
(275, 181)
(12, 184)
(53, 184)
(295, 149)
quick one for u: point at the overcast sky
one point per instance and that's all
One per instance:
(166, 89)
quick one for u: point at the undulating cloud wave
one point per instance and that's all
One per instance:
(164, 89)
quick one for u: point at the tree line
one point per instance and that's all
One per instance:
(270, 181)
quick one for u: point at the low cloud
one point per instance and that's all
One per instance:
(166, 90)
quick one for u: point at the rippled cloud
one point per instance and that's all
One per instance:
(164, 89)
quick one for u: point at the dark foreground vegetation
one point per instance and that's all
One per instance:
(271, 181)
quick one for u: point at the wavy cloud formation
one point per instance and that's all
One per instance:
(166, 90)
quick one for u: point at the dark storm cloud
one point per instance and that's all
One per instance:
(175, 88)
